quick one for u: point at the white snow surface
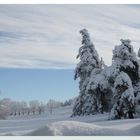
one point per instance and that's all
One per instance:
(75, 128)
(61, 124)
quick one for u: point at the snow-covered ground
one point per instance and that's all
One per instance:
(60, 123)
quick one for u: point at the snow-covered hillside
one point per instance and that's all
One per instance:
(60, 123)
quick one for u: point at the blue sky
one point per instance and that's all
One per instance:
(37, 41)
(37, 84)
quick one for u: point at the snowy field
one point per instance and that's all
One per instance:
(60, 123)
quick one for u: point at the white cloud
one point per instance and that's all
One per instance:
(47, 36)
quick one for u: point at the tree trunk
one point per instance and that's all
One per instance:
(130, 114)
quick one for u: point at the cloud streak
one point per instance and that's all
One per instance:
(46, 36)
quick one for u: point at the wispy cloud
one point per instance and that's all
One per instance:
(46, 36)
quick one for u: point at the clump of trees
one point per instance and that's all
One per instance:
(52, 105)
(69, 102)
(9, 107)
(115, 88)
(14, 108)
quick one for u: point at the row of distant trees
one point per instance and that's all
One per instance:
(9, 107)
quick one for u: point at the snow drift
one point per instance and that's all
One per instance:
(74, 128)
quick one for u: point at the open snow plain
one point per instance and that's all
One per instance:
(60, 123)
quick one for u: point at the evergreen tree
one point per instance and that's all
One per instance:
(89, 60)
(127, 61)
(125, 58)
(100, 87)
(123, 97)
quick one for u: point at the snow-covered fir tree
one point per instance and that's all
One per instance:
(100, 87)
(89, 60)
(127, 61)
(125, 58)
(123, 97)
